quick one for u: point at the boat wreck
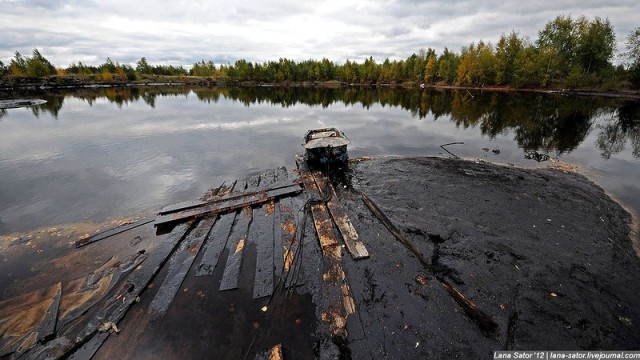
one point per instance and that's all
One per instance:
(414, 258)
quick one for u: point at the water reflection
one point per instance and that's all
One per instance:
(91, 154)
(541, 122)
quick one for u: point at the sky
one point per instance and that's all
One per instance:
(181, 32)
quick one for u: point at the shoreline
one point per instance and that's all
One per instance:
(71, 82)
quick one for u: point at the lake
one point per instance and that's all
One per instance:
(99, 154)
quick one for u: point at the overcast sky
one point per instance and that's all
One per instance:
(181, 32)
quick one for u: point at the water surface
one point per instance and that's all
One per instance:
(95, 154)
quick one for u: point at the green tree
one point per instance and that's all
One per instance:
(39, 66)
(507, 51)
(143, 67)
(633, 56)
(18, 65)
(560, 37)
(595, 45)
(430, 70)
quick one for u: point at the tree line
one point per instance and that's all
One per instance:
(569, 52)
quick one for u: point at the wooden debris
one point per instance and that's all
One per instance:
(338, 303)
(262, 235)
(237, 241)
(276, 353)
(113, 307)
(215, 244)
(112, 232)
(485, 322)
(349, 234)
(179, 265)
(228, 205)
(27, 319)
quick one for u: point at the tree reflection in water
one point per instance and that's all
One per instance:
(541, 122)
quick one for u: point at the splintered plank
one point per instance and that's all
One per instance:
(80, 295)
(116, 304)
(228, 205)
(261, 233)
(28, 319)
(349, 234)
(179, 265)
(215, 244)
(337, 302)
(112, 232)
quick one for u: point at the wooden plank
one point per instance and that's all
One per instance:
(114, 307)
(27, 319)
(262, 234)
(237, 242)
(215, 244)
(47, 327)
(80, 295)
(241, 193)
(227, 206)
(280, 247)
(480, 317)
(218, 192)
(349, 234)
(179, 265)
(112, 232)
(337, 303)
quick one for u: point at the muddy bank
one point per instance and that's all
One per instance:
(544, 254)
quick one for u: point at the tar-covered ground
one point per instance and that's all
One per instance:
(546, 254)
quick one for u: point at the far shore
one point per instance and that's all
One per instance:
(17, 85)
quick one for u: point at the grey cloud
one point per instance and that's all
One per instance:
(260, 30)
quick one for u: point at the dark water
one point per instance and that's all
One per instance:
(105, 153)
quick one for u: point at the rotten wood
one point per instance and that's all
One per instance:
(114, 306)
(214, 199)
(47, 327)
(215, 244)
(28, 319)
(111, 232)
(483, 320)
(228, 205)
(356, 247)
(179, 265)
(237, 242)
(262, 234)
(337, 302)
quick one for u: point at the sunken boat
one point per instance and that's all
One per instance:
(325, 147)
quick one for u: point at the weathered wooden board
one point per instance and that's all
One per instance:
(114, 306)
(215, 244)
(356, 247)
(237, 242)
(261, 234)
(227, 205)
(28, 319)
(112, 232)
(279, 248)
(337, 302)
(179, 265)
